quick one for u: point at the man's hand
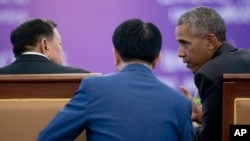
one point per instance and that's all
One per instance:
(196, 110)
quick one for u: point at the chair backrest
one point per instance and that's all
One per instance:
(41, 85)
(23, 119)
(29, 101)
(235, 101)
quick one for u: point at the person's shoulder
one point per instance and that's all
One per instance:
(77, 70)
(70, 69)
(225, 62)
(101, 77)
(7, 69)
(2, 70)
(102, 80)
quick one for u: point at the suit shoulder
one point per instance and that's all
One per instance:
(69, 69)
(104, 77)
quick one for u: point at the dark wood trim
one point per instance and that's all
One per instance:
(41, 85)
(234, 86)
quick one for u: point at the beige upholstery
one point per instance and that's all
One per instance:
(242, 111)
(23, 119)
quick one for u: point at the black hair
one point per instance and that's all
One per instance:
(29, 32)
(134, 39)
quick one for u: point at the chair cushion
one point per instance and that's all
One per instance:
(242, 111)
(23, 119)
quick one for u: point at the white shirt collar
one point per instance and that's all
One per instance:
(35, 53)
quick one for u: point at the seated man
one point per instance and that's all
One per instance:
(37, 48)
(203, 47)
(128, 105)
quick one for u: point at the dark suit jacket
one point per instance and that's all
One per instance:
(130, 105)
(36, 64)
(208, 80)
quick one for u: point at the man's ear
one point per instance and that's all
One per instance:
(154, 64)
(44, 46)
(212, 42)
(116, 56)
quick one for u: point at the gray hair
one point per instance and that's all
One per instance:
(204, 20)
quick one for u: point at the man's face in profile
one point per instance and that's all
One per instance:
(192, 49)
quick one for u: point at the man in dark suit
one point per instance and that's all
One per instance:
(128, 105)
(37, 48)
(201, 33)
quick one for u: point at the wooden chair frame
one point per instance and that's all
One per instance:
(234, 86)
(41, 85)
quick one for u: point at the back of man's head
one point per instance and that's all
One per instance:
(134, 39)
(27, 34)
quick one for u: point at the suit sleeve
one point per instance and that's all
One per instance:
(70, 121)
(186, 133)
(211, 100)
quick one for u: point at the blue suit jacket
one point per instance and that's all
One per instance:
(130, 105)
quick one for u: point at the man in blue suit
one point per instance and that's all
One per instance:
(128, 105)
